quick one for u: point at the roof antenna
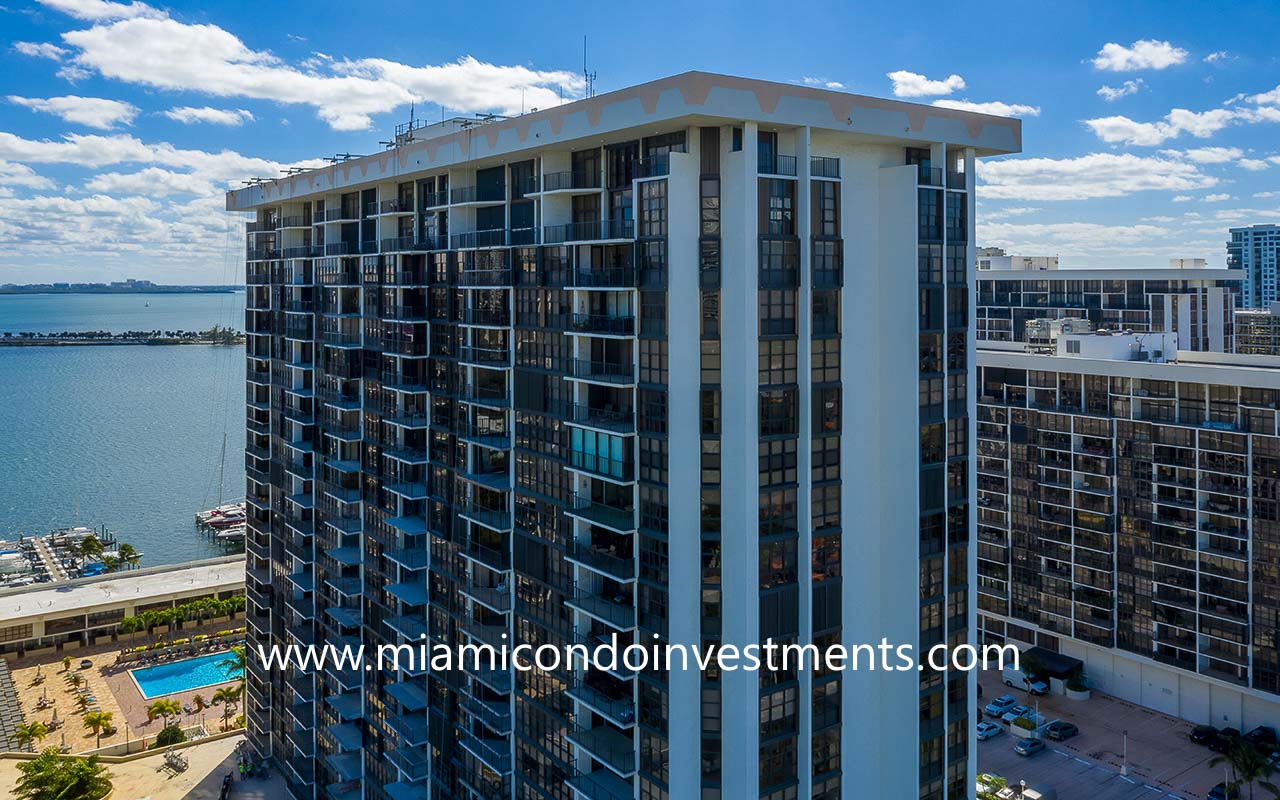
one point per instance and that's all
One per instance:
(587, 76)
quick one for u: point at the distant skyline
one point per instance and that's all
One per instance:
(1149, 129)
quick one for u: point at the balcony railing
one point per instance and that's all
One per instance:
(604, 371)
(615, 421)
(589, 230)
(496, 317)
(482, 194)
(929, 176)
(488, 356)
(484, 277)
(602, 277)
(606, 744)
(494, 237)
(603, 324)
(824, 167)
(653, 166)
(435, 199)
(570, 179)
(605, 562)
(776, 164)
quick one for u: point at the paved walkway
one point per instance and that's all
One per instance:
(147, 779)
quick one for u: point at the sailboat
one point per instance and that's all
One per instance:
(223, 515)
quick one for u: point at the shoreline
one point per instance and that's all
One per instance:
(14, 342)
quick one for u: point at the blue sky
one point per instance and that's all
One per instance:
(1149, 128)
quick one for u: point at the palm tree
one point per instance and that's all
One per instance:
(165, 707)
(200, 702)
(91, 547)
(76, 680)
(110, 562)
(129, 555)
(82, 702)
(66, 663)
(96, 721)
(235, 664)
(227, 696)
(1248, 767)
(51, 776)
(29, 733)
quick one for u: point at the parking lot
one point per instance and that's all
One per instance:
(1162, 762)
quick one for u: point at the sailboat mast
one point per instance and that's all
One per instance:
(222, 468)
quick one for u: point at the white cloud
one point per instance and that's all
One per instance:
(94, 112)
(98, 151)
(189, 115)
(1206, 155)
(1183, 198)
(913, 84)
(1086, 177)
(152, 182)
(1216, 198)
(1142, 54)
(994, 107)
(166, 54)
(1272, 96)
(1215, 57)
(1005, 213)
(41, 50)
(1266, 195)
(1113, 93)
(99, 10)
(22, 175)
(1201, 124)
(1254, 165)
(822, 82)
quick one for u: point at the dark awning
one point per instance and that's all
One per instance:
(1056, 665)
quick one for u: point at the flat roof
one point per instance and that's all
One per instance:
(690, 96)
(1087, 274)
(1231, 369)
(132, 586)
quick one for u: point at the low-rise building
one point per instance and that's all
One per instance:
(1258, 331)
(71, 614)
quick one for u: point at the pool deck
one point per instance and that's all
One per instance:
(115, 690)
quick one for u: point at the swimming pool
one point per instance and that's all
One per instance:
(181, 676)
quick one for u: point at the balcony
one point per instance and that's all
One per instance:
(621, 520)
(496, 560)
(493, 753)
(494, 237)
(824, 167)
(601, 785)
(604, 372)
(614, 702)
(492, 396)
(589, 231)
(496, 598)
(396, 206)
(768, 164)
(570, 180)
(603, 324)
(490, 317)
(495, 636)
(620, 567)
(414, 629)
(929, 176)
(623, 422)
(413, 763)
(485, 356)
(411, 728)
(495, 714)
(485, 277)
(655, 166)
(605, 744)
(605, 278)
(616, 610)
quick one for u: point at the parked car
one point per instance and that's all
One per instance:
(1012, 676)
(1017, 711)
(1221, 792)
(1059, 730)
(1029, 747)
(1203, 734)
(1000, 705)
(987, 730)
(1222, 742)
(1262, 738)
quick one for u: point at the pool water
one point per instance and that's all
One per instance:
(181, 676)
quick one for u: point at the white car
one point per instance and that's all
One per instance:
(988, 730)
(1017, 711)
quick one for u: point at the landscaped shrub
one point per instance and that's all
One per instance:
(169, 736)
(1025, 724)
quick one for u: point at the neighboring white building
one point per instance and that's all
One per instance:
(1255, 251)
(647, 364)
(1197, 304)
(1129, 516)
(996, 259)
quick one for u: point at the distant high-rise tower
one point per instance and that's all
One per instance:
(687, 360)
(1256, 250)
